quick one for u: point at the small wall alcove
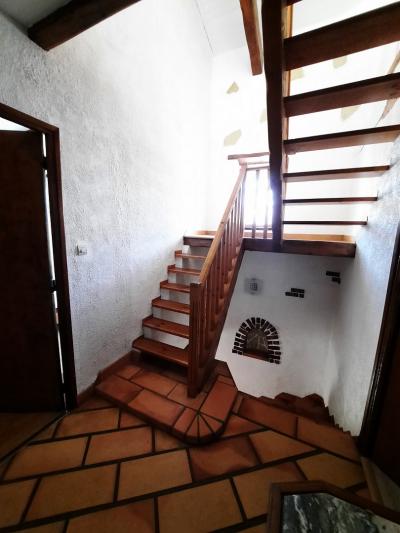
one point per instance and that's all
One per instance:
(258, 338)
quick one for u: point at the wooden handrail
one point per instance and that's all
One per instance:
(211, 294)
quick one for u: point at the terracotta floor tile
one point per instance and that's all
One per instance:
(123, 519)
(219, 400)
(185, 421)
(332, 469)
(47, 457)
(128, 371)
(214, 424)
(13, 500)
(95, 402)
(221, 457)
(54, 527)
(237, 426)
(227, 380)
(47, 433)
(200, 509)
(88, 422)
(129, 421)
(262, 528)
(119, 444)
(165, 441)
(118, 389)
(268, 416)
(327, 437)
(154, 382)
(237, 404)
(62, 493)
(271, 446)
(179, 394)
(156, 407)
(152, 474)
(254, 487)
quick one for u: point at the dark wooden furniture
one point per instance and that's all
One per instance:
(51, 135)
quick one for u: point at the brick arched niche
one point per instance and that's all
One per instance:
(258, 338)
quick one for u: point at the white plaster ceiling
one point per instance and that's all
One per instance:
(27, 12)
(223, 24)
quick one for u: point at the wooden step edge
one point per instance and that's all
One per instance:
(200, 241)
(182, 255)
(326, 222)
(166, 326)
(182, 270)
(342, 139)
(176, 287)
(335, 174)
(350, 94)
(342, 200)
(170, 305)
(164, 351)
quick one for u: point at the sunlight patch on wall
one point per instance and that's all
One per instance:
(339, 61)
(232, 138)
(297, 74)
(234, 88)
(263, 116)
(347, 112)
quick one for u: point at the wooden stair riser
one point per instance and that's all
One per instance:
(166, 338)
(162, 351)
(179, 318)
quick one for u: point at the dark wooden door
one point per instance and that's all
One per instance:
(30, 374)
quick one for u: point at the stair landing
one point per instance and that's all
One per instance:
(160, 398)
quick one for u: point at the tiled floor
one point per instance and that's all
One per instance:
(100, 469)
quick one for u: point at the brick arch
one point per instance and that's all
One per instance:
(272, 354)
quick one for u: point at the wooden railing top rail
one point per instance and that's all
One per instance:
(221, 227)
(247, 156)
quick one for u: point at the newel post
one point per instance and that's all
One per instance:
(196, 322)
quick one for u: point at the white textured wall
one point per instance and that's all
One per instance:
(358, 320)
(131, 98)
(304, 325)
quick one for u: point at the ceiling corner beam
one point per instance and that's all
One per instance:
(72, 19)
(253, 34)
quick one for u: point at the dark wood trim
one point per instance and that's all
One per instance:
(326, 222)
(343, 139)
(279, 490)
(303, 247)
(72, 19)
(345, 37)
(245, 156)
(384, 356)
(341, 200)
(336, 174)
(360, 92)
(252, 31)
(59, 250)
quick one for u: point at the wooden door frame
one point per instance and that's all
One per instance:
(53, 166)
(384, 356)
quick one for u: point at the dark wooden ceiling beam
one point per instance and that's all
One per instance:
(72, 19)
(374, 28)
(253, 36)
(359, 92)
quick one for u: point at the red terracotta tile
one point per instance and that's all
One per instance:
(332, 469)
(88, 422)
(193, 431)
(128, 420)
(271, 446)
(219, 401)
(119, 444)
(179, 394)
(237, 404)
(128, 371)
(54, 527)
(62, 493)
(227, 380)
(268, 416)
(118, 389)
(164, 441)
(156, 408)
(95, 402)
(137, 516)
(13, 500)
(204, 430)
(214, 424)
(155, 382)
(221, 457)
(329, 438)
(237, 425)
(184, 421)
(47, 457)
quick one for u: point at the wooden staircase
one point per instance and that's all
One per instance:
(283, 53)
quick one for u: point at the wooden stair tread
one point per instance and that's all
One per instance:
(182, 270)
(337, 173)
(327, 222)
(360, 92)
(178, 356)
(342, 139)
(177, 287)
(342, 200)
(170, 305)
(166, 326)
(189, 256)
(200, 241)
(374, 28)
